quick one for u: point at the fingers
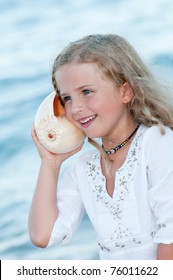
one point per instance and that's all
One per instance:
(34, 135)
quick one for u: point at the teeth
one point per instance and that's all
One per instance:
(87, 119)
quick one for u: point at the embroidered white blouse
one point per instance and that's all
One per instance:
(139, 215)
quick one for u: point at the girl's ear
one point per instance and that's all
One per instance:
(127, 93)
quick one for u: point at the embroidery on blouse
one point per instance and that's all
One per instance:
(132, 242)
(126, 174)
(162, 225)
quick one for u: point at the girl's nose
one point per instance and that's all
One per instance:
(77, 106)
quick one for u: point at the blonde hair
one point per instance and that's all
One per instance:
(119, 62)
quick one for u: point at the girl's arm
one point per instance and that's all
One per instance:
(160, 193)
(165, 252)
(44, 211)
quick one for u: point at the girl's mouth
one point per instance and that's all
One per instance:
(85, 122)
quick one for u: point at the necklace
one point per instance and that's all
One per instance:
(114, 150)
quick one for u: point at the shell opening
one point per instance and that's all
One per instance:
(58, 109)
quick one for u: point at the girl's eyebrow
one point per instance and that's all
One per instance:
(62, 94)
(77, 89)
(88, 85)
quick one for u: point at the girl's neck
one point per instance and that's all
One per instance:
(120, 134)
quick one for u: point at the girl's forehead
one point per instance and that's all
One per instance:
(76, 76)
(79, 70)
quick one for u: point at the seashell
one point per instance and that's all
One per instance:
(53, 130)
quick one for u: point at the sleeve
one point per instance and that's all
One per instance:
(160, 176)
(71, 210)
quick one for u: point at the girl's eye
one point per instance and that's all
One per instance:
(66, 98)
(87, 91)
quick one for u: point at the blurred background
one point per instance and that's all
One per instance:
(32, 33)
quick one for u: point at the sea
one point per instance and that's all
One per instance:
(32, 33)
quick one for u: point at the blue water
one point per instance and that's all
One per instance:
(32, 33)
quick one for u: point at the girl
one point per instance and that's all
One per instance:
(125, 185)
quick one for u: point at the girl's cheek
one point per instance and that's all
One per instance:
(66, 109)
(68, 112)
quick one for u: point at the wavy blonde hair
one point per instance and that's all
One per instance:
(119, 61)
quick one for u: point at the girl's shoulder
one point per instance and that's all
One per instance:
(154, 141)
(155, 132)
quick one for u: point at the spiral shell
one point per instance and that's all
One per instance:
(53, 130)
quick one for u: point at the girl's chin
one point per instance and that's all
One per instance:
(92, 135)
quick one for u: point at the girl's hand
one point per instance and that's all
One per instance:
(47, 156)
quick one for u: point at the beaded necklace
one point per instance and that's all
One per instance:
(114, 150)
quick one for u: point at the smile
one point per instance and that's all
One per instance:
(88, 119)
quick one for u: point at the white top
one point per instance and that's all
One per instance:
(130, 224)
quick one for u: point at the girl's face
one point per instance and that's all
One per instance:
(91, 101)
